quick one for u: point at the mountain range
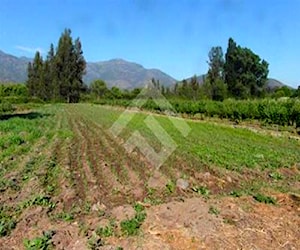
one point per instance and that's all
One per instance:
(115, 72)
(124, 74)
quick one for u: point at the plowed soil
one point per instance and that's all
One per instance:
(95, 180)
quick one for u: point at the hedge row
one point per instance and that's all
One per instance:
(281, 112)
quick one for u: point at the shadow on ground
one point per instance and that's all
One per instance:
(30, 116)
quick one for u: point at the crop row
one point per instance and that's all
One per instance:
(281, 112)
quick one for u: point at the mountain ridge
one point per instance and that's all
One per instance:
(115, 72)
(272, 83)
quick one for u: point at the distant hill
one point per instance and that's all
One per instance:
(116, 72)
(124, 74)
(13, 69)
(273, 84)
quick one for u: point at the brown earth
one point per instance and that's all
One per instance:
(99, 181)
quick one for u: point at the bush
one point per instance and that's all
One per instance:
(6, 107)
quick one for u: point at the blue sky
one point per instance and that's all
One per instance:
(174, 36)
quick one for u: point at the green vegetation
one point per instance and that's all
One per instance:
(59, 77)
(201, 190)
(264, 199)
(61, 160)
(7, 222)
(36, 144)
(267, 111)
(131, 226)
(245, 73)
(40, 243)
(108, 230)
(40, 200)
(213, 210)
(170, 187)
(68, 217)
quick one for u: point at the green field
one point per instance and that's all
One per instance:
(63, 159)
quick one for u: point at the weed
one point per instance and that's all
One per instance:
(201, 190)
(151, 197)
(236, 193)
(213, 210)
(40, 200)
(101, 213)
(150, 191)
(115, 191)
(68, 217)
(276, 176)
(264, 199)
(106, 231)
(5, 184)
(229, 221)
(139, 208)
(87, 207)
(170, 187)
(28, 169)
(131, 227)
(49, 179)
(95, 243)
(43, 242)
(65, 134)
(7, 223)
(152, 200)
(83, 228)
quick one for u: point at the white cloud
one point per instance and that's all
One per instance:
(28, 49)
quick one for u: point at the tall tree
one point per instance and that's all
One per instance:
(194, 88)
(60, 76)
(30, 82)
(245, 73)
(216, 63)
(215, 76)
(64, 62)
(79, 65)
(35, 80)
(51, 74)
(230, 73)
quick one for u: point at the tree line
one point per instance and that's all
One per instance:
(59, 76)
(239, 74)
